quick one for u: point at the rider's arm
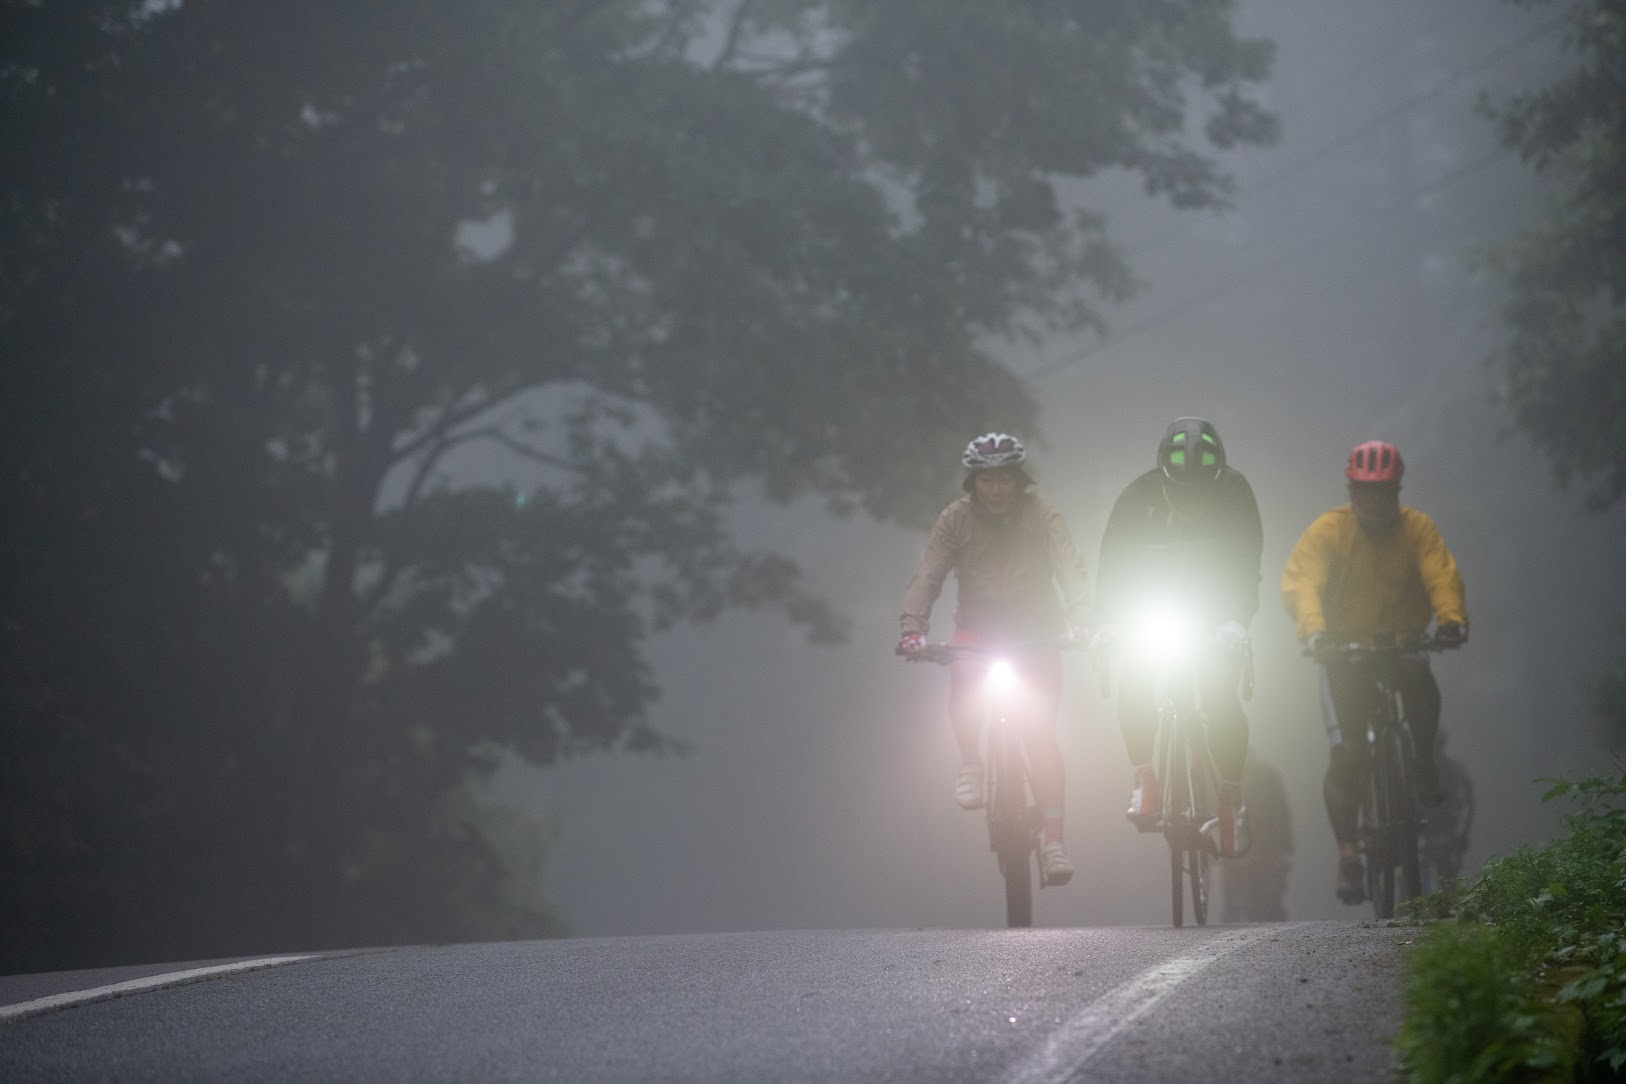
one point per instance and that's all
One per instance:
(1116, 541)
(932, 569)
(1438, 570)
(1067, 564)
(1305, 576)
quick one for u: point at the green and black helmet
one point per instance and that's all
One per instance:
(1191, 452)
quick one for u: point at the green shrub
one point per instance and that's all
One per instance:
(1473, 1012)
(1526, 978)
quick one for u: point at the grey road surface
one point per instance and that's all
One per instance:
(1299, 1001)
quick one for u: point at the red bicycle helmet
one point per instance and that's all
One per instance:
(1375, 461)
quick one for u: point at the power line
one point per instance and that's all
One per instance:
(1373, 59)
(1270, 180)
(1226, 286)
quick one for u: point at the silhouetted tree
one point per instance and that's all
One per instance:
(1564, 362)
(270, 268)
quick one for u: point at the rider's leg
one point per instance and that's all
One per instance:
(1228, 742)
(1137, 718)
(1421, 695)
(1042, 676)
(1227, 722)
(1343, 707)
(1042, 681)
(965, 712)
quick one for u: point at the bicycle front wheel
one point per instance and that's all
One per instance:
(1009, 827)
(1402, 819)
(1380, 836)
(1198, 868)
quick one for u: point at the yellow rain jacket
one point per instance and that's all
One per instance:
(1348, 582)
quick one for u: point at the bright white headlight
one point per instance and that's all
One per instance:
(1165, 634)
(1001, 675)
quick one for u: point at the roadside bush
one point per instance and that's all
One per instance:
(1525, 977)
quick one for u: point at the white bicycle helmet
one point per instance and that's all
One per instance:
(992, 451)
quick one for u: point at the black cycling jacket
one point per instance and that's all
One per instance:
(1207, 562)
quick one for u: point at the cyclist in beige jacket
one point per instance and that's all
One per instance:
(1010, 551)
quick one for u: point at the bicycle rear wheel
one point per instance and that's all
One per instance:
(1009, 827)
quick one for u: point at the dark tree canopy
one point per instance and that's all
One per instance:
(269, 269)
(1564, 361)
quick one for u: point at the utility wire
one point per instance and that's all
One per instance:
(1226, 286)
(1374, 59)
(1415, 101)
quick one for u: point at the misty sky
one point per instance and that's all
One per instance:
(1330, 306)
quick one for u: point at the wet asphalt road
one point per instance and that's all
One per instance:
(1299, 1001)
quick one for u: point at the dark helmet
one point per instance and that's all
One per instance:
(1191, 452)
(1375, 461)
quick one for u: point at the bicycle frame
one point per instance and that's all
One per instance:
(1185, 769)
(1388, 823)
(1388, 820)
(1013, 815)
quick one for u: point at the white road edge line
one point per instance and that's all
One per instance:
(117, 989)
(1080, 1038)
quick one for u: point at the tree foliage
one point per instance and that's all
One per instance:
(273, 272)
(1564, 361)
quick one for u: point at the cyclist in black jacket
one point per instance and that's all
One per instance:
(1186, 531)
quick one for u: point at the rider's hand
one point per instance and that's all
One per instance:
(1451, 634)
(1104, 637)
(1231, 635)
(1078, 634)
(911, 644)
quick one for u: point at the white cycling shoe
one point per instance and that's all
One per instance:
(968, 787)
(1053, 860)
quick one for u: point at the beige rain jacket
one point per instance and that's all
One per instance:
(1006, 568)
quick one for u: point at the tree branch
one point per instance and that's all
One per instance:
(451, 417)
(736, 30)
(581, 11)
(393, 564)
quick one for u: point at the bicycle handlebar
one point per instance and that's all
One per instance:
(944, 654)
(1356, 652)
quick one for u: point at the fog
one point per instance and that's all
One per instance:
(1331, 305)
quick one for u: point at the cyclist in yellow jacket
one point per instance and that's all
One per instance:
(1372, 564)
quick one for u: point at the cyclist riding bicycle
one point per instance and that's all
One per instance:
(1187, 530)
(1373, 564)
(1009, 550)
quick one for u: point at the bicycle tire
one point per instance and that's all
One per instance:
(1380, 860)
(1177, 854)
(1203, 805)
(1009, 827)
(1176, 829)
(1200, 867)
(1403, 819)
